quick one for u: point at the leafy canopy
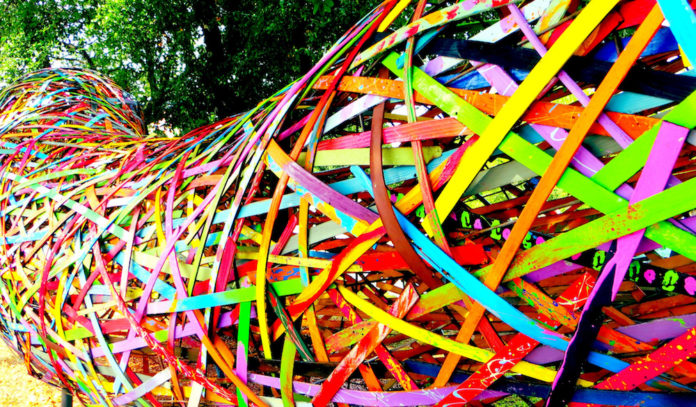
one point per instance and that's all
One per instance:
(188, 62)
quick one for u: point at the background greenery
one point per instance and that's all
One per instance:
(188, 62)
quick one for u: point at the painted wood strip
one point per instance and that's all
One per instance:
(363, 348)
(455, 12)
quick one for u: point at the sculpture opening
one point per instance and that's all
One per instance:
(433, 215)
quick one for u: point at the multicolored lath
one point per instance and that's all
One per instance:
(494, 200)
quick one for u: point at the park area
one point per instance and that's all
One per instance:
(348, 203)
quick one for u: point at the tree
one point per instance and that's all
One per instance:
(35, 34)
(188, 62)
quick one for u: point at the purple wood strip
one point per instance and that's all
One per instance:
(308, 182)
(614, 131)
(552, 270)
(140, 391)
(663, 155)
(544, 355)
(358, 397)
(658, 168)
(660, 329)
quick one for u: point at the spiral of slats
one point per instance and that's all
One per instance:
(478, 203)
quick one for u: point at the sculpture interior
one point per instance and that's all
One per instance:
(427, 217)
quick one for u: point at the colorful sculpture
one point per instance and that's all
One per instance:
(427, 217)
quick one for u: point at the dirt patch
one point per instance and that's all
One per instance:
(18, 389)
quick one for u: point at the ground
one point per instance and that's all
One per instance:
(17, 389)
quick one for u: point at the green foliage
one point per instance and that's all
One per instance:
(187, 61)
(324, 5)
(34, 34)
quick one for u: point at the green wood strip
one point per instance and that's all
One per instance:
(229, 297)
(291, 332)
(627, 163)
(243, 347)
(492, 131)
(622, 222)
(599, 198)
(361, 156)
(535, 159)
(287, 363)
(631, 160)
